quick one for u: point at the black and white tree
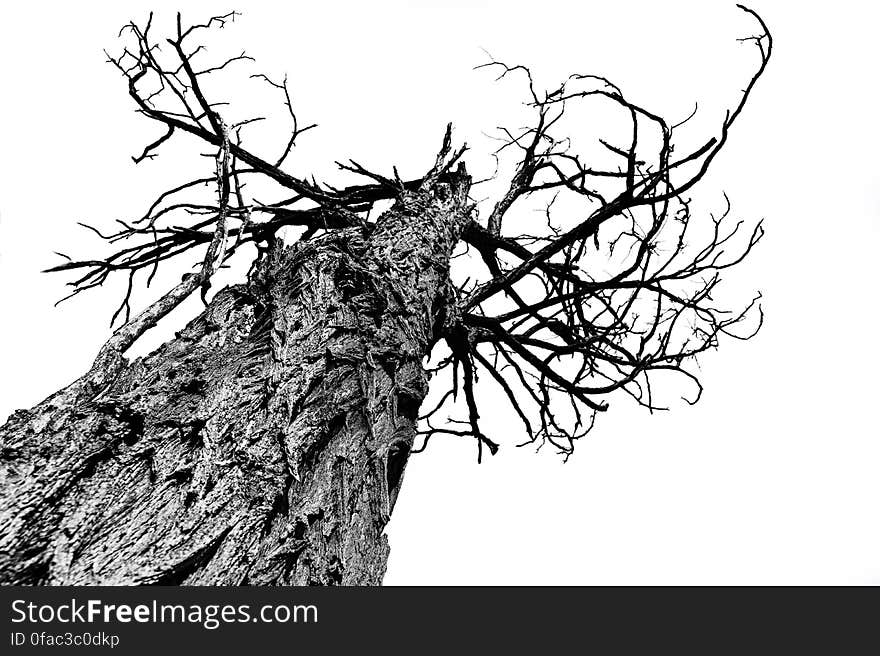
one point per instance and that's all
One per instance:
(266, 443)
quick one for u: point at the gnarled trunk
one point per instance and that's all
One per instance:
(265, 444)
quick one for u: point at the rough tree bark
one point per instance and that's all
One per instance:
(265, 444)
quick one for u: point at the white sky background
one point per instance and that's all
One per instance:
(771, 478)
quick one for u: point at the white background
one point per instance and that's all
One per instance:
(772, 478)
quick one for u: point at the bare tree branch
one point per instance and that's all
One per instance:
(625, 293)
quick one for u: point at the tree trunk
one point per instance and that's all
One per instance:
(265, 444)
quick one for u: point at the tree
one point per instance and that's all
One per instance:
(266, 443)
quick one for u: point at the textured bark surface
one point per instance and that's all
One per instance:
(265, 444)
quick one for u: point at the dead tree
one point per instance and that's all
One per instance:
(266, 443)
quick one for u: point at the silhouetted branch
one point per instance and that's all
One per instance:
(620, 291)
(576, 337)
